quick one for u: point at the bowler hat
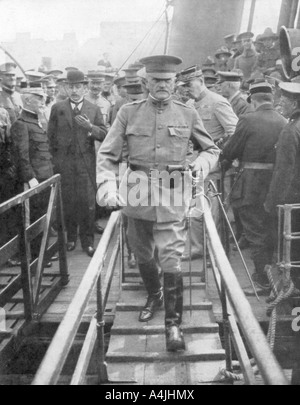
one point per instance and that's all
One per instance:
(76, 76)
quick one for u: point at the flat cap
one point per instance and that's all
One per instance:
(290, 90)
(8, 68)
(229, 77)
(161, 66)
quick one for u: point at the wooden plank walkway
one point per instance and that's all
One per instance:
(137, 351)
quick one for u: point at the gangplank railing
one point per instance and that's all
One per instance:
(237, 311)
(56, 356)
(32, 270)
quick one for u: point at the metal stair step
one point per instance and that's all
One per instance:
(140, 296)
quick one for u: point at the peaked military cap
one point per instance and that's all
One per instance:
(190, 73)
(55, 72)
(8, 68)
(290, 90)
(68, 68)
(120, 81)
(230, 36)
(33, 75)
(34, 88)
(259, 86)
(209, 62)
(161, 66)
(246, 35)
(208, 71)
(96, 75)
(229, 77)
(133, 88)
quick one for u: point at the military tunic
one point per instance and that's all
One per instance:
(247, 63)
(254, 142)
(157, 134)
(33, 160)
(12, 103)
(239, 104)
(267, 59)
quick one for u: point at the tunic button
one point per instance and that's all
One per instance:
(159, 112)
(158, 146)
(160, 127)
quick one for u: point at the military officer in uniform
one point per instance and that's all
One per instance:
(253, 144)
(285, 185)
(157, 131)
(74, 125)
(220, 122)
(32, 152)
(230, 84)
(10, 99)
(270, 54)
(248, 59)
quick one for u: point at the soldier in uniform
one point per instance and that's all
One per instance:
(222, 55)
(96, 80)
(248, 60)
(230, 83)
(32, 152)
(74, 126)
(9, 98)
(220, 122)
(270, 54)
(7, 176)
(123, 97)
(253, 144)
(285, 185)
(157, 131)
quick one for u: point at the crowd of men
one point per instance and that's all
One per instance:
(235, 116)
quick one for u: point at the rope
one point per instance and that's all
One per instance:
(143, 39)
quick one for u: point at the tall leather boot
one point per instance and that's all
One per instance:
(149, 274)
(173, 295)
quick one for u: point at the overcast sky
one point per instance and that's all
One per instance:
(50, 19)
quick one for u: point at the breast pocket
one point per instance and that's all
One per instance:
(140, 142)
(179, 140)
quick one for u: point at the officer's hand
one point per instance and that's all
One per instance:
(196, 166)
(83, 122)
(225, 165)
(111, 201)
(33, 183)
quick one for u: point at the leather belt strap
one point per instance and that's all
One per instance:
(257, 166)
(160, 168)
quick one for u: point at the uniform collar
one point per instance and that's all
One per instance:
(266, 106)
(234, 96)
(10, 91)
(202, 95)
(160, 104)
(30, 114)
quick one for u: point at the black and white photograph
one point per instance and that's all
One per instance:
(150, 195)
